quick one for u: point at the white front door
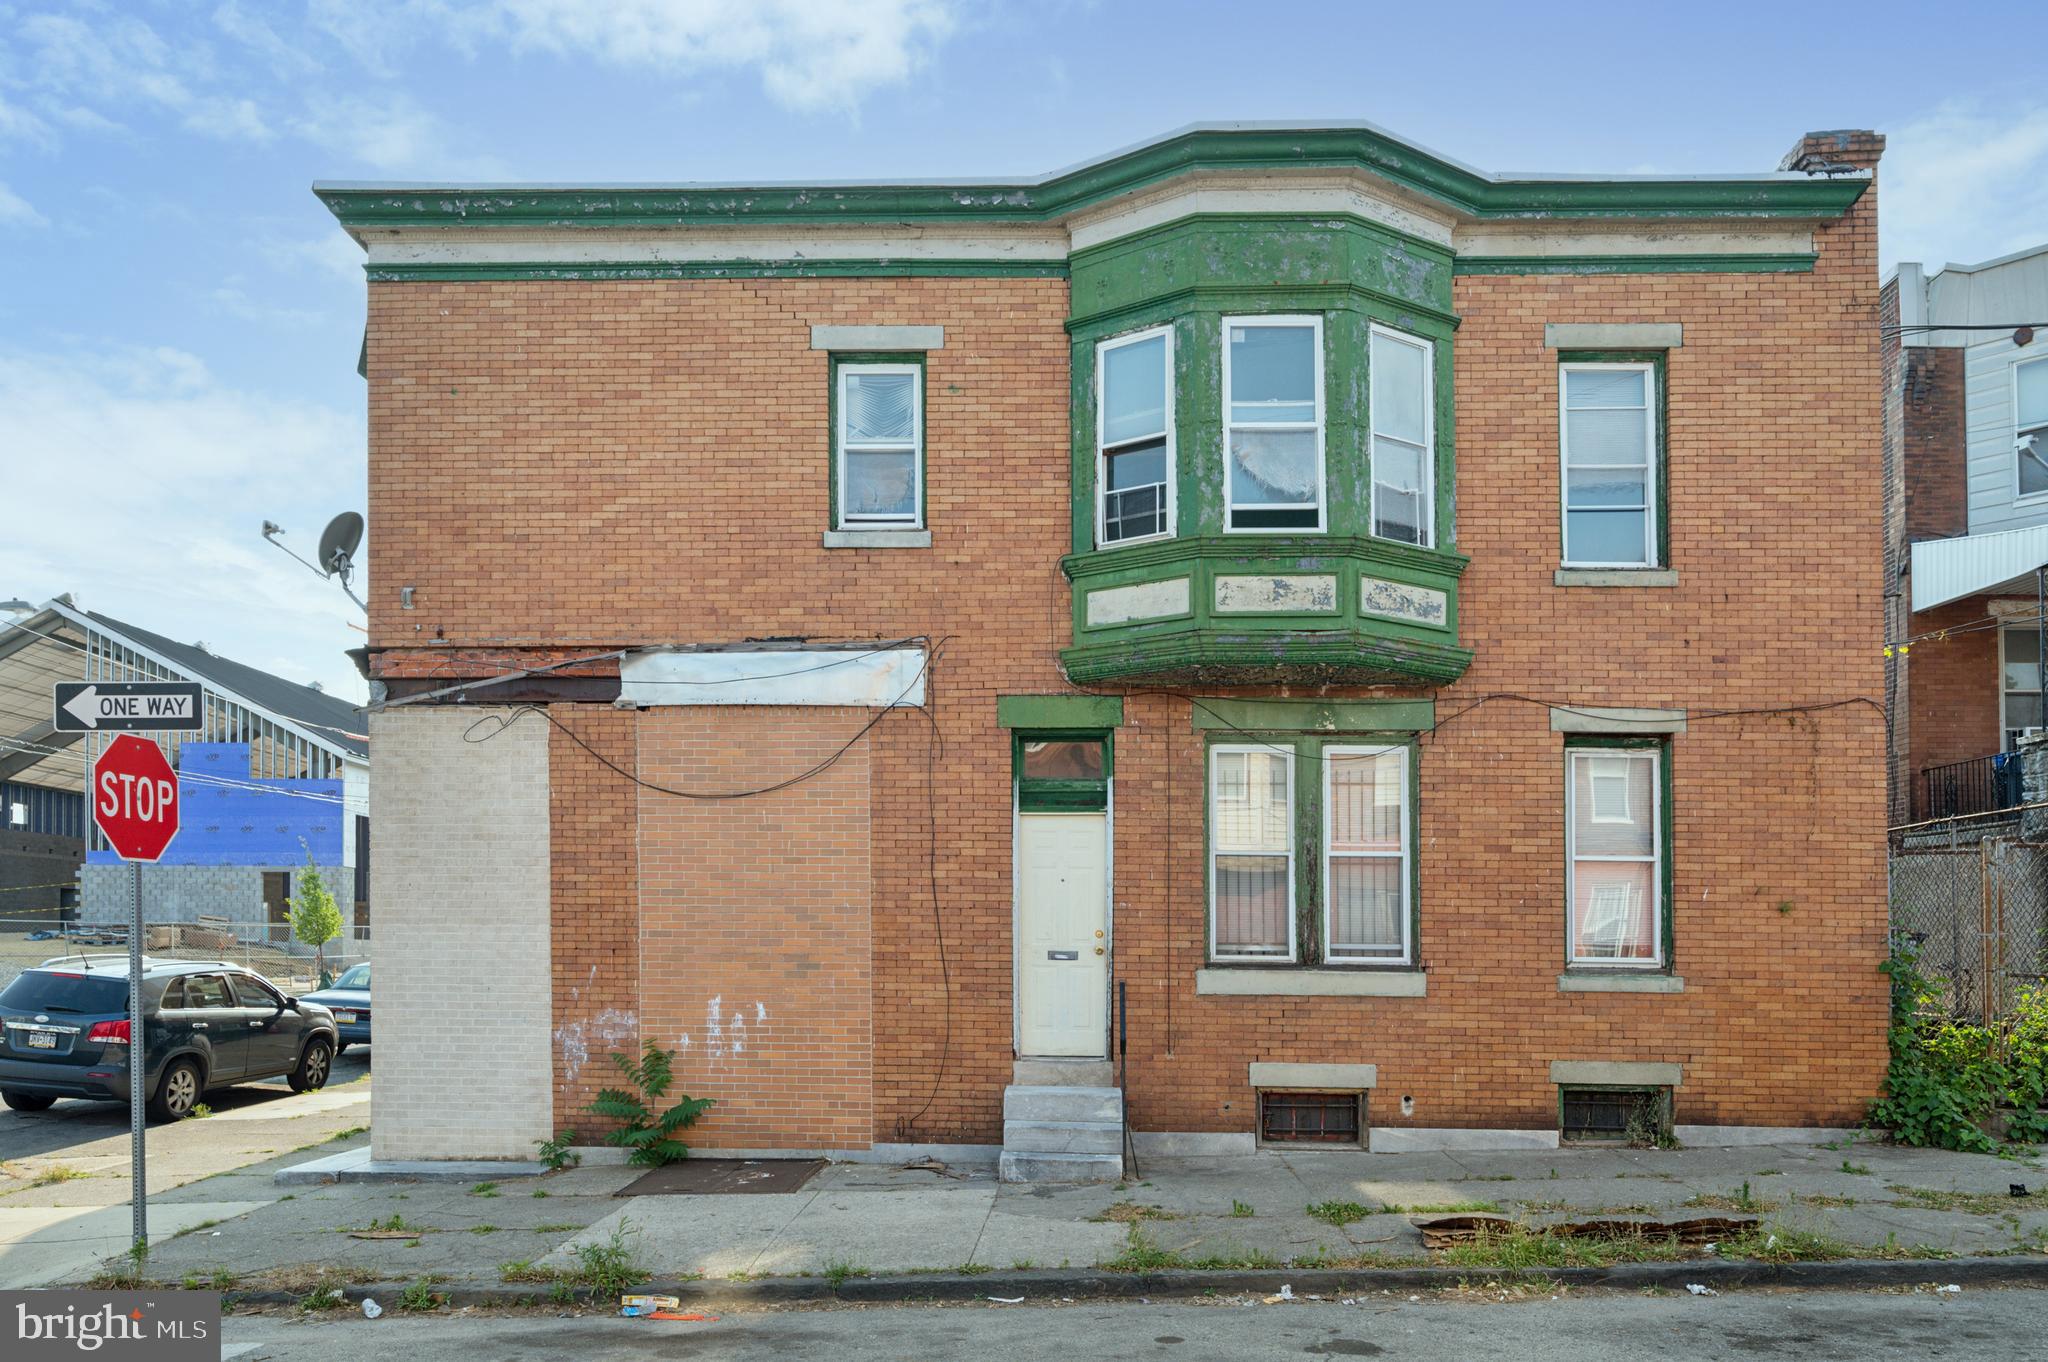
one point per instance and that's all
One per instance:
(1063, 934)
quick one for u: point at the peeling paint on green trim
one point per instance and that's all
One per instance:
(720, 269)
(1060, 711)
(1466, 191)
(1212, 657)
(1314, 716)
(1796, 262)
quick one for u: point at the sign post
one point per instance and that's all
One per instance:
(135, 806)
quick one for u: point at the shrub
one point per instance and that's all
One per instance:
(649, 1135)
(1947, 1078)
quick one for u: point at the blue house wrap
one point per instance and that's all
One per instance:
(226, 817)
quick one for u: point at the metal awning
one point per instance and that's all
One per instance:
(1947, 570)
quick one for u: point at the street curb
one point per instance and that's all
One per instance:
(1094, 1284)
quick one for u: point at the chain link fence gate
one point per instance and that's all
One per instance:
(1977, 914)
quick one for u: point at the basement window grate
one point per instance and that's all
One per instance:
(1310, 1117)
(1614, 1115)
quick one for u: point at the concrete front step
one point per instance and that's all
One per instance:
(1063, 1073)
(1063, 1137)
(1018, 1165)
(1034, 1102)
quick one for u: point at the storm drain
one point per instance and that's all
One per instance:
(724, 1177)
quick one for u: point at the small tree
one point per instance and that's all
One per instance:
(316, 918)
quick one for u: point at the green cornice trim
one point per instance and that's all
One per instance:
(720, 269)
(1796, 262)
(1314, 716)
(1465, 191)
(1251, 298)
(1060, 711)
(1315, 657)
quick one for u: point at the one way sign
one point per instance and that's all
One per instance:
(126, 706)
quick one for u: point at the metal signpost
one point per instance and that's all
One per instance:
(135, 807)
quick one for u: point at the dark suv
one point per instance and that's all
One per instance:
(208, 1024)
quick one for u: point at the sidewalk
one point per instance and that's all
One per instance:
(1266, 1210)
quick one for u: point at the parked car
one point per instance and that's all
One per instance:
(207, 1024)
(348, 998)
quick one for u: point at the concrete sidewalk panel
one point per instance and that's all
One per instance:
(877, 1230)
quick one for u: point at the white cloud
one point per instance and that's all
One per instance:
(18, 124)
(391, 134)
(15, 211)
(150, 481)
(89, 60)
(1964, 183)
(333, 254)
(810, 55)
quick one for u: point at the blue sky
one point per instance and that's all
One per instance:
(179, 319)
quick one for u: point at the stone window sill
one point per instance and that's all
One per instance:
(878, 539)
(1590, 981)
(1616, 577)
(1311, 983)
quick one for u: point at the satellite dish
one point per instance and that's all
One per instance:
(338, 544)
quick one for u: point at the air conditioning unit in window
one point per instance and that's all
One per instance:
(17, 815)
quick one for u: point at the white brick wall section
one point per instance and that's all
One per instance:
(459, 876)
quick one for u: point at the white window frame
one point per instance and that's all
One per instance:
(1653, 550)
(1217, 849)
(1277, 320)
(1330, 855)
(2005, 723)
(915, 521)
(1655, 860)
(1102, 450)
(1373, 437)
(2012, 384)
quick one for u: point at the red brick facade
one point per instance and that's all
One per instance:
(594, 465)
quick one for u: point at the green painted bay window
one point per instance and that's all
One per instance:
(1134, 464)
(1273, 424)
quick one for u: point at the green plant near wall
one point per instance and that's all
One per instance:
(315, 916)
(645, 1130)
(1948, 1079)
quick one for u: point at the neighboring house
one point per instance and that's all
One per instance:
(1966, 431)
(278, 771)
(1396, 641)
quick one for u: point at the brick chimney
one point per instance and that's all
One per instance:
(1817, 151)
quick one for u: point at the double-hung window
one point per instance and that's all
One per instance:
(1273, 423)
(2019, 669)
(1134, 437)
(1614, 832)
(1402, 425)
(880, 437)
(1608, 440)
(1310, 846)
(2030, 427)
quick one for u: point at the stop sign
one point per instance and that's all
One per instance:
(135, 798)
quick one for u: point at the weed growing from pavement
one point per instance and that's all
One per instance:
(556, 1229)
(483, 1229)
(540, 1194)
(1441, 1208)
(1858, 1168)
(56, 1173)
(348, 1134)
(1338, 1212)
(200, 1111)
(558, 1152)
(1022, 1265)
(1740, 1200)
(1974, 1203)
(837, 1270)
(1823, 1199)
(1130, 1212)
(484, 1189)
(1519, 1246)
(326, 1296)
(1241, 1210)
(421, 1295)
(974, 1269)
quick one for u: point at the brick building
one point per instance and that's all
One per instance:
(1404, 636)
(1966, 474)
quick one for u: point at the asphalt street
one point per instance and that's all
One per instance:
(1925, 1323)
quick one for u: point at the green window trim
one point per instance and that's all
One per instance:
(1037, 794)
(840, 361)
(1309, 850)
(1660, 477)
(1075, 712)
(1667, 935)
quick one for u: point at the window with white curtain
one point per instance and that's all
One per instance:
(1251, 853)
(1614, 855)
(1608, 438)
(1134, 437)
(881, 446)
(1273, 423)
(2030, 427)
(1402, 426)
(1365, 830)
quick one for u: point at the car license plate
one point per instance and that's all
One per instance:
(345, 1017)
(42, 1040)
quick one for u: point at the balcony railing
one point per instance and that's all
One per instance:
(1979, 785)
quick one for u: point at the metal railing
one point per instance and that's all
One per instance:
(266, 948)
(1979, 785)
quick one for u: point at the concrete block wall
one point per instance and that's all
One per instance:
(181, 893)
(461, 877)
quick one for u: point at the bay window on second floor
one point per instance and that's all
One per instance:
(1273, 424)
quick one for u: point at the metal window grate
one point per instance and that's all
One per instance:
(1614, 1115)
(1309, 1117)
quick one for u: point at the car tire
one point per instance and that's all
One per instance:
(26, 1101)
(316, 1062)
(341, 1050)
(177, 1091)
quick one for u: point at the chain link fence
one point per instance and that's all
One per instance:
(1978, 917)
(266, 948)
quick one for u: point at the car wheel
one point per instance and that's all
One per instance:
(26, 1101)
(311, 1075)
(177, 1092)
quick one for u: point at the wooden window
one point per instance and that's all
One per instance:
(1273, 424)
